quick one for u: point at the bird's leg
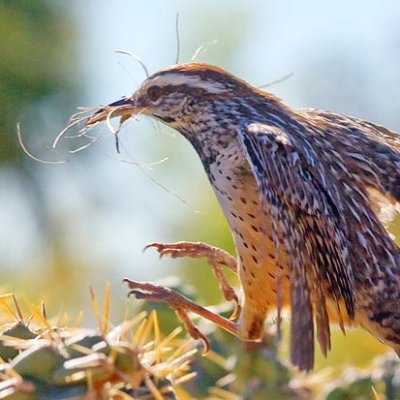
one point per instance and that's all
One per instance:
(215, 257)
(182, 305)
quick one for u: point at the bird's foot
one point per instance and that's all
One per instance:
(215, 256)
(181, 305)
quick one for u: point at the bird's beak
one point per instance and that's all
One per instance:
(125, 108)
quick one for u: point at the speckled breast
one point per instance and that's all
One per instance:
(236, 190)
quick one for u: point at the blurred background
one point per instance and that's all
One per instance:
(85, 221)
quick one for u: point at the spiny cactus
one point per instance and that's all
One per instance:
(44, 359)
(131, 361)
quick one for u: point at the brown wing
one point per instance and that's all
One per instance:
(382, 156)
(372, 150)
(306, 208)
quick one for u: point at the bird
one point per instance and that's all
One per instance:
(306, 193)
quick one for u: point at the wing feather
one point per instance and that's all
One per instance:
(305, 206)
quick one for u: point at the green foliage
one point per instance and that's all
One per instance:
(35, 46)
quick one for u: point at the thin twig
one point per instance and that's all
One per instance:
(111, 128)
(202, 49)
(25, 150)
(178, 42)
(83, 147)
(144, 165)
(147, 174)
(135, 57)
(68, 127)
(280, 80)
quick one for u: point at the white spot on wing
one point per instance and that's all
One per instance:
(384, 205)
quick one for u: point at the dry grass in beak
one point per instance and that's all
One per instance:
(90, 117)
(81, 116)
(108, 112)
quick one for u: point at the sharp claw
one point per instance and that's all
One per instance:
(206, 345)
(140, 295)
(162, 249)
(148, 246)
(236, 312)
(192, 330)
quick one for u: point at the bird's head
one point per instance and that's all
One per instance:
(204, 103)
(180, 96)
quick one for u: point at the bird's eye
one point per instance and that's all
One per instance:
(154, 93)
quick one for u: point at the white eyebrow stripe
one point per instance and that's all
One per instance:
(176, 79)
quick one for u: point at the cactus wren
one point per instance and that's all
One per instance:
(305, 193)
